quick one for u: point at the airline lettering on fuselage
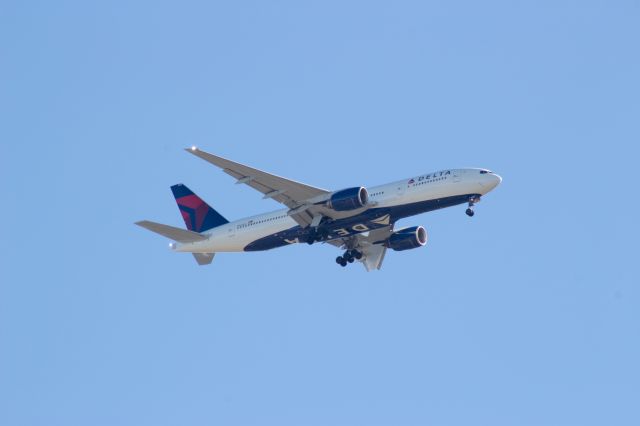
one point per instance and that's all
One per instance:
(434, 175)
(341, 232)
(345, 232)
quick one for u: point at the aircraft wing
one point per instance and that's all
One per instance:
(370, 244)
(288, 192)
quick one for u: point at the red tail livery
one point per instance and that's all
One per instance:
(197, 215)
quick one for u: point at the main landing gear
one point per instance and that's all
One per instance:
(313, 237)
(317, 235)
(472, 202)
(349, 256)
(317, 232)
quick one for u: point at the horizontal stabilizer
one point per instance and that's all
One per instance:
(203, 258)
(176, 234)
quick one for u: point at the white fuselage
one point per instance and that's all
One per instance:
(235, 236)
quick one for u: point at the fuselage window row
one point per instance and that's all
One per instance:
(429, 181)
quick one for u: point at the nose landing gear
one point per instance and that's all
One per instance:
(349, 256)
(472, 202)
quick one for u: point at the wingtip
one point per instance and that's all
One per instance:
(192, 149)
(141, 223)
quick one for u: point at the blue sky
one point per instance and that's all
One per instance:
(527, 314)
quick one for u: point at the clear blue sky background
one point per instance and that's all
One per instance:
(527, 314)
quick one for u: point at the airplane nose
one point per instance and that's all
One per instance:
(492, 181)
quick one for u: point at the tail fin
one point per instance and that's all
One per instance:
(197, 215)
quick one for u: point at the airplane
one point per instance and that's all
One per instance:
(358, 220)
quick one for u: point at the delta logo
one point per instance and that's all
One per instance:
(412, 181)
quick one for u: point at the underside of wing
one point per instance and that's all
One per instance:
(288, 192)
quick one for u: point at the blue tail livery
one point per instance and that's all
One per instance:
(197, 215)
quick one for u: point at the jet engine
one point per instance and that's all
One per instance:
(348, 199)
(407, 239)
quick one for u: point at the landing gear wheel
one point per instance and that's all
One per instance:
(316, 235)
(472, 202)
(311, 238)
(349, 256)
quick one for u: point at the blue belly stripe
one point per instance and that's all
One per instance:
(367, 220)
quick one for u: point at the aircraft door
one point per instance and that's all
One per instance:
(456, 175)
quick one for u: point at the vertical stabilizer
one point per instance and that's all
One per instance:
(197, 215)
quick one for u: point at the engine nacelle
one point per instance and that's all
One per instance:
(348, 199)
(407, 239)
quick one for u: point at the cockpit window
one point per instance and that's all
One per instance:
(484, 172)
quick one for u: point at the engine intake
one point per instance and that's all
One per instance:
(349, 199)
(407, 239)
